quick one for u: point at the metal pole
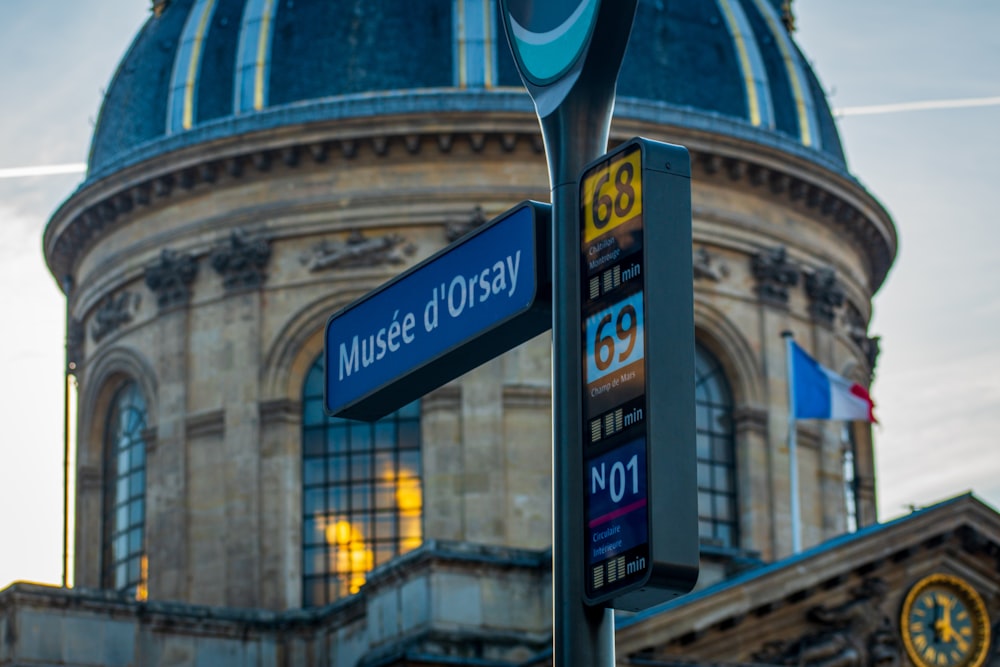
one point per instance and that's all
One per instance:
(793, 462)
(582, 636)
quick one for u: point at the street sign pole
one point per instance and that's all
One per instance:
(569, 53)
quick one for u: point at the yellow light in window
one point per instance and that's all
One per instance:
(409, 497)
(142, 589)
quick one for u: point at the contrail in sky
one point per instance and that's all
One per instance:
(871, 110)
(918, 106)
(44, 170)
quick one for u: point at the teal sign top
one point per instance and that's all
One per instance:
(548, 37)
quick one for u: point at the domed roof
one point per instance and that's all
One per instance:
(205, 69)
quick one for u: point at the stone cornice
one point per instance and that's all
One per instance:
(783, 172)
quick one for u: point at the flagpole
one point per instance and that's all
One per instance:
(793, 463)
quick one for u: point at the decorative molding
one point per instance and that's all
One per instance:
(280, 411)
(527, 396)
(77, 228)
(171, 278)
(456, 230)
(446, 398)
(358, 251)
(856, 633)
(857, 331)
(774, 274)
(750, 419)
(88, 478)
(708, 267)
(242, 261)
(113, 313)
(205, 424)
(825, 295)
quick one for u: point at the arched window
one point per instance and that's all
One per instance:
(717, 518)
(362, 498)
(123, 544)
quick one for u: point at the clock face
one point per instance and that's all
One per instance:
(944, 623)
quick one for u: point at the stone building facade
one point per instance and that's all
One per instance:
(259, 165)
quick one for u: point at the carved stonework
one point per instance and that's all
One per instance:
(456, 230)
(113, 312)
(242, 261)
(825, 295)
(170, 279)
(787, 16)
(76, 336)
(358, 251)
(774, 274)
(857, 330)
(857, 633)
(708, 267)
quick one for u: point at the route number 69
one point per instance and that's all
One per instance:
(614, 337)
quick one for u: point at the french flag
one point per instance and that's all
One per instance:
(819, 393)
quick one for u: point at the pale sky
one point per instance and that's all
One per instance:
(918, 81)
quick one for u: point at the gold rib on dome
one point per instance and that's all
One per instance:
(759, 106)
(187, 65)
(805, 109)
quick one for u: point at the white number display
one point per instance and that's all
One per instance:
(614, 338)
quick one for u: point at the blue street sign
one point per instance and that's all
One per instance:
(469, 303)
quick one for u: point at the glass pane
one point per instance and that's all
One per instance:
(384, 553)
(121, 518)
(385, 435)
(338, 498)
(361, 437)
(314, 561)
(124, 462)
(703, 444)
(314, 530)
(385, 466)
(312, 441)
(336, 469)
(139, 455)
(314, 381)
(361, 498)
(121, 490)
(409, 435)
(704, 476)
(314, 592)
(121, 576)
(133, 570)
(385, 495)
(385, 526)
(725, 534)
(361, 467)
(723, 479)
(336, 440)
(314, 501)
(137, 483)
(313, 472)
(410, 410)
(135, 512)
(313, 412)
(135, 540)
(409, 464)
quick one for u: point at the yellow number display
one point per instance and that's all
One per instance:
(612, 194)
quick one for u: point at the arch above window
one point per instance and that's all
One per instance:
(362, 495)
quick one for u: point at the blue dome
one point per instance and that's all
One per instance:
(205, 69)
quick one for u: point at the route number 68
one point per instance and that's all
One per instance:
(612, 194)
